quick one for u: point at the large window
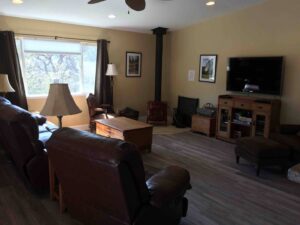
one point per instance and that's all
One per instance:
(46, 61)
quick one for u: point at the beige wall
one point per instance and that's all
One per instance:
(269, 29)
(133, 92)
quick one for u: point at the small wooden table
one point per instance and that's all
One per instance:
(126, 129)
(203, 124)
(56, 192)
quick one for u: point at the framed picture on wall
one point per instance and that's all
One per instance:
(133, 64)
(208, 68)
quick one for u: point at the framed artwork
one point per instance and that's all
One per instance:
(208, 68)
(133, 64)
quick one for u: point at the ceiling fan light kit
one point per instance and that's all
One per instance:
(210, 3)
(17, 2)
(111, 16)
(137, 5)
(95, 1)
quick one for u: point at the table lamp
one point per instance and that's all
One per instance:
(5, 85)
(60, 102)
(111, 71)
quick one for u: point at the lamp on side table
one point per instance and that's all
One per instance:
(60, 102)
(111, 72)
(5, 85)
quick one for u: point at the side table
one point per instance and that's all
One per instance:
(204, 124)
(56, 192)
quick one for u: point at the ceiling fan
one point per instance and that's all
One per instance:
(137, 5)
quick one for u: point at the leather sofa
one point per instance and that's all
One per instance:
(103, 182)
(287, 135)
(20, 131)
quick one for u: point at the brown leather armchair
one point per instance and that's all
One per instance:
(21, 139)
(104, 111)
(103, 182)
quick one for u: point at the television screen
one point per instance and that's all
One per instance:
(255, 74)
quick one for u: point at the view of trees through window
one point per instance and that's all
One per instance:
(44, 62)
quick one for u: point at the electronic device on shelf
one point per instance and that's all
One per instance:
(240, 119)
(255, 75)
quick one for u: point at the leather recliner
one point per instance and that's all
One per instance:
(19, 134)
(103, 182)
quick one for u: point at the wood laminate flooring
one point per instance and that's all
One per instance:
(223, 193)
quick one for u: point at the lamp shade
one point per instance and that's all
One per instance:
(4, 84)
(112, 70)
(60, 101)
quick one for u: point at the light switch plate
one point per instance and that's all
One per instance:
(191, 75)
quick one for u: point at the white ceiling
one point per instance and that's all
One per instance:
(173, 14)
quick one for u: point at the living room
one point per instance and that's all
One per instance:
(223, 192)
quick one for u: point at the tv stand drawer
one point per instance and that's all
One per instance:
(261, 107)
(242, 105)
(226, 102)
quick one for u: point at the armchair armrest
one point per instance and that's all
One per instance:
(39, 119)
(100, 110)
(104, 108)
(168, 185)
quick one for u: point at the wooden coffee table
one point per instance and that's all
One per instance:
(126, 129)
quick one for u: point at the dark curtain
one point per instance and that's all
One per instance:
(9, 64)
(103, 88)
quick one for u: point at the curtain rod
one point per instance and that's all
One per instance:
(58, 37)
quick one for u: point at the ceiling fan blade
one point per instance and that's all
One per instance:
(95, 1)
(137, 5)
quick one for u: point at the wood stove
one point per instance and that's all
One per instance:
(157, 110)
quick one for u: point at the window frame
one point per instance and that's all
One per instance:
(22, 52)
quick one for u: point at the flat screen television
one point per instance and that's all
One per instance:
(255, 74)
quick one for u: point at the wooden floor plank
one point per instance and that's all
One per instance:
(223, 193)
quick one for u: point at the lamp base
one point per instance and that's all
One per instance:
(111, 81)
(60, 121)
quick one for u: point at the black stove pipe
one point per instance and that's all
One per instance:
(159, 32)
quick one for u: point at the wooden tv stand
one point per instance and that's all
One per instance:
(240, 116)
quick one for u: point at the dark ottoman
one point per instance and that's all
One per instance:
(262, 152)
(129, 113)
